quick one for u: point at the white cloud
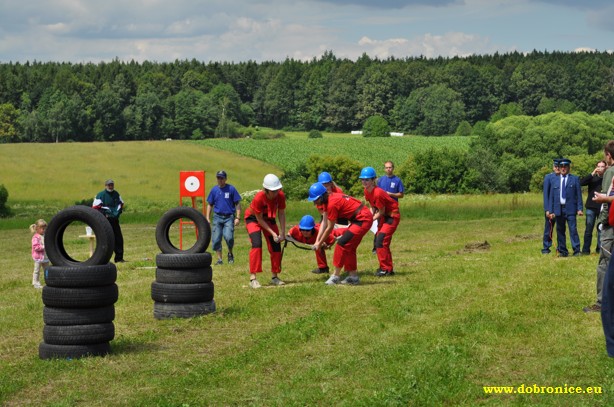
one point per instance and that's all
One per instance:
(428, 45)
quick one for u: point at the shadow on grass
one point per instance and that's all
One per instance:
(129, 346)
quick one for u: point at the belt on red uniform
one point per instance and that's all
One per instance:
(356, 212)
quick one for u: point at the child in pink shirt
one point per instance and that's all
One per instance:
(38, 251)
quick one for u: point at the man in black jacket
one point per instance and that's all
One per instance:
(593, 181)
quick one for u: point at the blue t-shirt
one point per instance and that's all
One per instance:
(224, 199)
(391, 184)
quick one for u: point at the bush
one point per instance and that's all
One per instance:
(435, 171)
(463, 129)
(314, 134)
(267, 135)
(4, 196)
(376, 126)
(344, 171)
(296, 183)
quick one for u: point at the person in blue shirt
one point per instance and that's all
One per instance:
(225, 201)
(550, 220)
(390, 182)
(111, 205)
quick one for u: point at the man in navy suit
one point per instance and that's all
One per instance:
(566, 203)
(550, 221)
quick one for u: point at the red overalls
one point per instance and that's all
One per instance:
(361, 219)
(386, 225)
(296, 234)
(268, 209)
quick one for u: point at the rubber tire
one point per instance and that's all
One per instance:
(182, 293)
(83, 297)
(200, 222)
(170, 310)
(78, 316)
(54, 236)
(78, 334)
(81, 276)
(183, 261)
(48, 351)
(185, 276)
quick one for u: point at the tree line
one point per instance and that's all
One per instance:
(56, 101)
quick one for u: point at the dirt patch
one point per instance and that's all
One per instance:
(475, 247)
(520, 238)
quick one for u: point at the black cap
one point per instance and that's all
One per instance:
(564, 161)
(221, 174)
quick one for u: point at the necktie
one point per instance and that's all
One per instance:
(563, 190)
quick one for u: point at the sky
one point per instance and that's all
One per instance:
(81, 31)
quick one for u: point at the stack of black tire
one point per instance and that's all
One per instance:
(79, 297)
(183, 287)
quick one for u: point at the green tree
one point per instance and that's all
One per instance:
(432, 111)
(8, 123)
(507, 110)
(374, 91)
(376, 126)
(4, 196)
(108, 115)
(463, 129)
(342, 100)
(440, 170)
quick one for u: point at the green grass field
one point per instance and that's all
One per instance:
(296, 148)
(459, 315)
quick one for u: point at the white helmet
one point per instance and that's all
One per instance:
(271, 182)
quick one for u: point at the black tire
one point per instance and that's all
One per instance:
(183, 261)
(185, 276)
(182, 293)
(169, 310)
(78, 316)
(200, 222)
(83, 297)
(54, 236)
(48, 351)
(81, 276)
(78, 334)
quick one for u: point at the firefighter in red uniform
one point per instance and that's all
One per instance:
(331, 186)
(327, 180)
(306, 232)
(360, 217)
(260, 220)
(386, 211)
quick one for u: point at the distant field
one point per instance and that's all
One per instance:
(296, 148)
(43, 178)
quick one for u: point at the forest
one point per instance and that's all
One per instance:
(118, 100)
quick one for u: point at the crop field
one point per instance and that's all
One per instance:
(474, 304)
(289, 152)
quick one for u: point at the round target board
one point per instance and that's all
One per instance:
(192, 183)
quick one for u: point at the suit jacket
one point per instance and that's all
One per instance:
(549, 179)
(573, 202)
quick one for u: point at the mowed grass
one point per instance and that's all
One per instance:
(473, 304)
(44, 178)
(289, 152)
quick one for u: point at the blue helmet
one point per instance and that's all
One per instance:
(324, 177)
(367, 173)
(315, 191)
(307, 223)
